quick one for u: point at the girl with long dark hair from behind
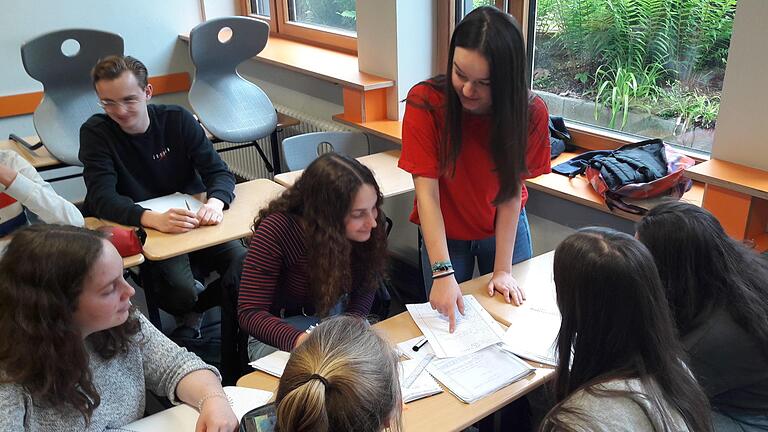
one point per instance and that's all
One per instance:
(317, 250)
(470, 138)
(620, 364)
(718, 290)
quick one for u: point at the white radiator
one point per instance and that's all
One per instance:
(247, 163)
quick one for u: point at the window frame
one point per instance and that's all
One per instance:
(280, 25)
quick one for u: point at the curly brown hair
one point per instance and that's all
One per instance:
(320, 199)
(41, 348)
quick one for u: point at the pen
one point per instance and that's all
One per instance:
(187, 204)
(420, 344)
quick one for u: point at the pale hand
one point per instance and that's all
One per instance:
(216, 416)
(506, 285)
(300, 340)
(7, 175)
(445, 297)
(172, 221)
(211, 213)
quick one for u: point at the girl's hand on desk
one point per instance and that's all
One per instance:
(211, 213)
(445, 297)
(172, 221)
(216, 416)
(504, 283)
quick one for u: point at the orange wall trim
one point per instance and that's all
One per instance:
(25, 103)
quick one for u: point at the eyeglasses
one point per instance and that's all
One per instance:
(129, 104)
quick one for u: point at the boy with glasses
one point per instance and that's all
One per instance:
(138, 151)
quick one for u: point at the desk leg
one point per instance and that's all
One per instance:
(153, 310)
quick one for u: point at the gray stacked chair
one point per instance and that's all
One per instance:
(300, 150)
(232, 108)
(68, 96)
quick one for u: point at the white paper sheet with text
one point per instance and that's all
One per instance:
(273, 364)
(177, 200)
(475, 330)
(533, 333)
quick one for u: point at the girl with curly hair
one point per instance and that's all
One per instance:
(74, 353)
(317, 250)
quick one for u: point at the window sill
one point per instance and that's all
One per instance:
(321, 63)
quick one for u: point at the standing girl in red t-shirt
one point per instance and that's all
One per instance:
(470, 138)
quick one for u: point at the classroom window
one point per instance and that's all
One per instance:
(331, 23)
(464, 7)
(636, 67)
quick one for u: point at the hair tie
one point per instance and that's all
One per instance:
(319, 377)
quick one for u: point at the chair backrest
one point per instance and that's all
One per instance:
(300, 150)
(232, 108)
(68, 96)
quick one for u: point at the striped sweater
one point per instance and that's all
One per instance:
(275, 277)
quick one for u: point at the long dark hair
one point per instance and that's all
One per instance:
(361, 389)
(703, 269)
(321, 198)
(497, 36)
(41, 279)
(616, 324)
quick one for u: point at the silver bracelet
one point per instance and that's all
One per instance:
(211, 396)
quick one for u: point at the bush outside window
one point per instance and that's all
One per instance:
(650, 68)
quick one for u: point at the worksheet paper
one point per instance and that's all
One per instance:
(176, 201)
(273, 364)
(533, 333)
(422, 387)
(405, 348)
(183, 418)
(474, 376)
(475, 330)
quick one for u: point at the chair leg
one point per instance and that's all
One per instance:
(275, 152)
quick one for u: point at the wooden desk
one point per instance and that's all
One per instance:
(251, 197)
(41, 159)
(444, 412)
(391, 179)
(439, 413)
(128, 262)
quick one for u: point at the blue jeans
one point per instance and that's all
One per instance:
(464, 253)
(258, 349)
(730, 422)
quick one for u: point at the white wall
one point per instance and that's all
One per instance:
(740, 135)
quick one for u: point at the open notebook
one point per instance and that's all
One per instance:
(422, 386)
(273, 364)
(183, 418)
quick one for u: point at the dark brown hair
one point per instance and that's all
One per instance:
(110, 68)
(41, 279)
(497, 36)
(321, 198)
(703, 269)
(343, 378)
(616, 324)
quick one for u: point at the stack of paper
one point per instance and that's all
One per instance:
(475, 330)
(183, 417)
(273, 364)
(423, 386)
(474, 376)
(533, 335)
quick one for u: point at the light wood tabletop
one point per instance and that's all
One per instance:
(40, 158)
(250, 197)
(444, 412)
(391, 179)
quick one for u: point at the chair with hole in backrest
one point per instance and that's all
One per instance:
(232, 108)
(300, 150)
(62, 62)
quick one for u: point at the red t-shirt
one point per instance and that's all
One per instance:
(466, 198)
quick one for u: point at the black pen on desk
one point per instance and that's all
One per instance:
(187, 204)
(420, 344)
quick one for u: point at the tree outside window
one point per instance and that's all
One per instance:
(335, 14)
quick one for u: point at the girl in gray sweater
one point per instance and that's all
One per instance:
(74, 352)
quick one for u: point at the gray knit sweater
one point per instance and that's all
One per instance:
(155, 363)
(635, 413)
